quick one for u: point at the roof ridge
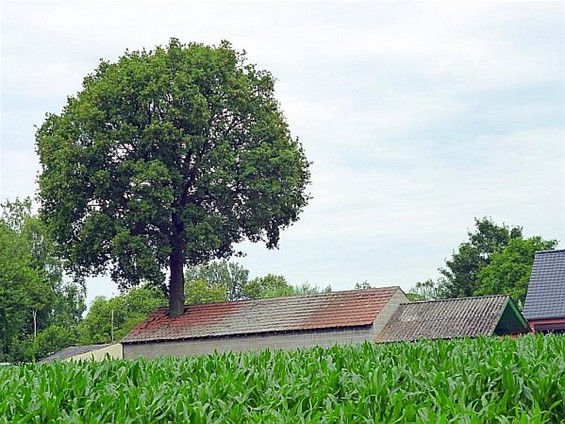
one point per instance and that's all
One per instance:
(452, 299)
(550, 251)
(300, 296)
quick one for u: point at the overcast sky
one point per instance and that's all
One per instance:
(418, 117)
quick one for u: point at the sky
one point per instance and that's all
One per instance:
(417, 116)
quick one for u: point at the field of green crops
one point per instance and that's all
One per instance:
(468, 381)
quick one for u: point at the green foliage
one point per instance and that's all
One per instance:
(426, 290)
(461, 271)
(363, 285)
(495, 259)
(33, 294)
(221, 281)
(230, 277)
(276, 286)
(168, 158)
(200, 291)
(307, 288)
(268, 286)
(509, 270)
(487, 380)
(128, 310)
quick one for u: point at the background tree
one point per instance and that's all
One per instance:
(363, 285)
(128, 310)
(218, 275)
(426, 290)
(495, 259)
(35, 299)
(509, 270)
(460, 275)
(268, 286)
(307, 288)
(165, 159)
(201, 291)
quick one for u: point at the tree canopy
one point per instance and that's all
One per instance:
(168, 158)
(495, 259)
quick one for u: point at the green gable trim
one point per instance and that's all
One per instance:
(511, 320)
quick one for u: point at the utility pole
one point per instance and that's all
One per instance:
(34, 312)
(112, 326)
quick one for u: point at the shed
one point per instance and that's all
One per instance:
(544, 307)
(455, 318)
(278, 323)
(96, 352)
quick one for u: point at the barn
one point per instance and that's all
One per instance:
(278, 323)
(544, 307)
(455, 318)
(96, 352)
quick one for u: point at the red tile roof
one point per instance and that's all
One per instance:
(296, 313)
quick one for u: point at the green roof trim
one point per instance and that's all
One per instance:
(511, 320)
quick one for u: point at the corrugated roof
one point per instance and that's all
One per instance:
(445, 319)
(546, 290)
(72, 351)
(296, 313)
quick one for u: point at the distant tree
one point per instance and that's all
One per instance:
(168, 158)
(33, 293)
(363, 285)
(268, 286)
(509, 270)
(426, 290)
(230, 277)
(460, 274)
(307, 288)
(200, 291)
(495, 259)
(277, 286)
(118, 315)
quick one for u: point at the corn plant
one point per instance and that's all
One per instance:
(486, 380)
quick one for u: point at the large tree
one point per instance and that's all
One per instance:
(168, 158)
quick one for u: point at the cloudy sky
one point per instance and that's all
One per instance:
(418, 116)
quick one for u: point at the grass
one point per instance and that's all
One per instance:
(487, 380)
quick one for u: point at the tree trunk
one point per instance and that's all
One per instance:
(176, 286)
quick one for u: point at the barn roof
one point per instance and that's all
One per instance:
(72, 351)
(546, 290)
(295, 313)
(453, 318)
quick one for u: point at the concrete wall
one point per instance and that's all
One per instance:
(275, 341)
(114, 351)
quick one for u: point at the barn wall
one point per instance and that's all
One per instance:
(283, 341)
(113, 351)
(384, 317)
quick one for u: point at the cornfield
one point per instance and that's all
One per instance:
(485, 380)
